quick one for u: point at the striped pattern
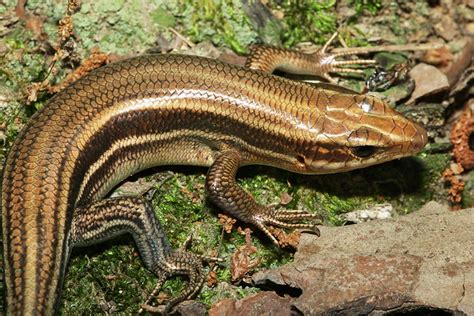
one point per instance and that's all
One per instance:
(156, 110)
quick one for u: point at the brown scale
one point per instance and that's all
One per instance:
(171, 109)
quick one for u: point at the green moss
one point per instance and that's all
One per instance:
(20, 65)
(430, 185)
(372, 6)
(109, 6)
(224, 22)
(182, 197)
(110, 280)
(306, 21)
(50, 8)
(161, 17)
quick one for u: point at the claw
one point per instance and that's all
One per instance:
(314, 230)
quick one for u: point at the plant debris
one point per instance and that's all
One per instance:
(241, 262)
(285, 240)
(227, 222)
(456, 184)
(95, 60)
(462, 137)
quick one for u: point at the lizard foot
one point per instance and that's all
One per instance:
(329, 62)
(178, 262)
(285, 219)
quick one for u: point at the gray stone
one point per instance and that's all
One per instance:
(422, 259)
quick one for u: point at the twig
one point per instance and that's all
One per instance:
(182, 37)
(391, 48)
(375, 49)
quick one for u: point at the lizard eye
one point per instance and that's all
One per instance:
(363, 151)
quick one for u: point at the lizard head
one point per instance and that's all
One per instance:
(352, 131)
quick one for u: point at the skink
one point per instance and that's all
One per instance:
(171, 109)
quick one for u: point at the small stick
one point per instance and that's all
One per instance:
(182, 37)
(375, 49)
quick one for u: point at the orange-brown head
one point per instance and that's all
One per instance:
(352, 131)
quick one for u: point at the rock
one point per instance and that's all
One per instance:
(263, 303)
(447, 28)
(469, 30)
(422, 259)
(190, 308)
(378, 211)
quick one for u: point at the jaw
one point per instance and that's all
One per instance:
(353, 164)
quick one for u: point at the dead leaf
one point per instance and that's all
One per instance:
(451, 176)
(95, 60)
(34, 89)
(241, 263)
(460, 136)
(211, 278)
(469, 29)
(285, 198)
(34, 23)
(227, 222)
(428, 80)
(20, 8)
(439, 57)
(193, 196)
(285, 240)
(461, 62)
(65, 28)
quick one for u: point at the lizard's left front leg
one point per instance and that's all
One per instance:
(321, 63)
(224, 191)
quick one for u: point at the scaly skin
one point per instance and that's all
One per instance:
(158, 110)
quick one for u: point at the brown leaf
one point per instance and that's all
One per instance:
(34, 23)
(212, 278)
(439, 57)
(95, 60)
(227, 222)
(285, 240)
(428, 80)
(241, 263)
(461, 62)
(65, 28)
(285, 198)
(20, 8)
(34, 89)
(451, 176)
(460, 136)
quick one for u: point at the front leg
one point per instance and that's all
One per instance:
(224, 191)
(321, 63)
